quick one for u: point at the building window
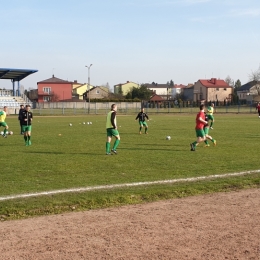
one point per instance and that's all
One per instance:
(225, 89)
(47, 90)
(46, 99)
(217, 89)
(97, 91)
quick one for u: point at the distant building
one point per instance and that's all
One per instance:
(166, 91)
(212, 90)
(124, 88)
(96, 93)
(249, 91)
(78, 89)
(54, 90)
(188, 92)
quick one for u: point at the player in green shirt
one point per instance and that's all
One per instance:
(2, 120)
(210, 115)
(111, 127)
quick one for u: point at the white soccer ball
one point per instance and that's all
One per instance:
(11, 132)
(70, 124)
(2, 132)
(168, 137)
(90, 123)
(84, 123)
(6, 132)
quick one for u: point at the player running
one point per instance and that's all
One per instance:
(210, 115)
(2, 120)
(206, 131)
(200, 122)
(141, 116)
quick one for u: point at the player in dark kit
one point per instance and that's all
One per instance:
(27, 118)
(20, 117)
(141, 116)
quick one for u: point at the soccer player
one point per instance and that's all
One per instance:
(111, 126)
(20, 117)
(206, 131)
(258, 109)
(2, 120)
(210, 115)
(141, 116)
(27, 118)
(200, 122)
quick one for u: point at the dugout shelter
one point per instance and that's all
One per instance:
(15, 75)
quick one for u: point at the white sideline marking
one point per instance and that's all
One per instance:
(103, 187)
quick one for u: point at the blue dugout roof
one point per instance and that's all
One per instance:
(15, 74)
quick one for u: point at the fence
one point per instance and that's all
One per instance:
(82, 108)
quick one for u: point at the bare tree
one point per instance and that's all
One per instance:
(255, 75)
(229, 81)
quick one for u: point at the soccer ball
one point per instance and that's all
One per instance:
(2, 133)
(70, 124)
(6, 132)
(11, 133)
(168, 137)
(84, 123)
(90, 123)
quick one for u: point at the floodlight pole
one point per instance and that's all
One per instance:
(89, 87)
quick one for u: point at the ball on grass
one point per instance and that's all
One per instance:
(168, 137)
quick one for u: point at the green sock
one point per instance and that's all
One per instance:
(29, 137)
(146, 129)
(211, 124)
(5, 131)
(107, 147)
(206, 142)
(213, 140)
(25, 138)
(117, 141)
(140, 129)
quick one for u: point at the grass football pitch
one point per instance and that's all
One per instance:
(64, 157)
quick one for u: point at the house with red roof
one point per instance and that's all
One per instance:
(54, 90)
(212, 90)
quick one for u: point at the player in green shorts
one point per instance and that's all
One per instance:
(199, 128)
(206, 131)
(26, 118)
(111, 127)
(210, 115)
(2, 120)
(141, 116)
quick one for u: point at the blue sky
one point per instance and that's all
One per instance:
(130, 40)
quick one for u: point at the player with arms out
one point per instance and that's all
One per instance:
(210, 115)
(141, 116)
(111, 126)
(27, 118)
(2, 120)
(200, 122)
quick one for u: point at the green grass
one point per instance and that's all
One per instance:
(76, 158)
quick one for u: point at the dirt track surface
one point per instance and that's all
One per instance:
(216, 226)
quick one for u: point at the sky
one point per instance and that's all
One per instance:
(142, 41)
